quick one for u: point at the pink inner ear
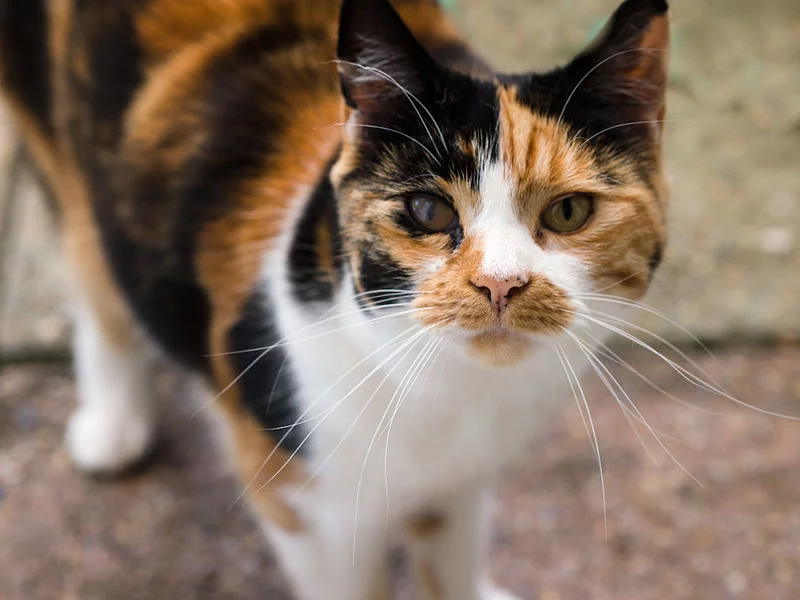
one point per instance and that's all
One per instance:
(653, 68)
(653, 65)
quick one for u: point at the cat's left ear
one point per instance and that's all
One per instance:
(626, 66)
(379, 58)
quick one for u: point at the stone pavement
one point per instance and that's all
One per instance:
(173, 532)
(733, 147)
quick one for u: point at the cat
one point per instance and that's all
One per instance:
(379, 254)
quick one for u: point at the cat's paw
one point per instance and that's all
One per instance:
(492, 592)
(105, 441)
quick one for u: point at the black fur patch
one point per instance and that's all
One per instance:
(310, 283)
(159, 276)
(266, 385)
(378, 271)
(655, 259)
(26, 64)
(114, 58)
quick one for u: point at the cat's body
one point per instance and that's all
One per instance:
(373, 363)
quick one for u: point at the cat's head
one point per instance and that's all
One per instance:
(496, 203)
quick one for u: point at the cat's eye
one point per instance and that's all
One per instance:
(568, 214)
(430, 212)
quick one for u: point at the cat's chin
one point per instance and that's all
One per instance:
(499, 347)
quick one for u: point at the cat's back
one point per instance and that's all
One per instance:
(189, 131)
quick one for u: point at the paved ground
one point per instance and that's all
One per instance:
(167, 533)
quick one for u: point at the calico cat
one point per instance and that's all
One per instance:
(378, 253)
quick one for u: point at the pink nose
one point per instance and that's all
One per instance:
(499, 290)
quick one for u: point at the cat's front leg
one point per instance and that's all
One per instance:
(448, 546)
(319, 558)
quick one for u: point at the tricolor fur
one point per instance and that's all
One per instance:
(234, 180)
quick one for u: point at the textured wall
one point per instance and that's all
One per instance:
(733, 265)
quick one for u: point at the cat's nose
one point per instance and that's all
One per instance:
(499, 289)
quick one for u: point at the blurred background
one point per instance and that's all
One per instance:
(731, 276)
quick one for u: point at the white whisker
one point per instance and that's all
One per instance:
(655, 312)
(688, 375)
(595, 361)
(357, 417)
(424, 359)
(300, 420)
(411, 98)
(287, 342)
(283, 342)
(589, 426)
(389, 129)
(603, 349)
(629, 124)
(593, 69)
(369, 450)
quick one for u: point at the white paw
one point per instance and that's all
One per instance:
(102, 441)
(490, 592)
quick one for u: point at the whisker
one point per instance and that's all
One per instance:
(595, 361)
(625, 410)
(661, 315)
(571, 375)
(327, 413)
(631, 123)
(603, 349)
(411, 98)
(356, 419)
(286, 342)
(300, 418)
(688, 375)
(390, 130)
(593, 69)
(324, 318)
(366, 456)
(616, 283)
(283, 342)
(630, 412)
(434, 359)
(670, 345)
(424, 359)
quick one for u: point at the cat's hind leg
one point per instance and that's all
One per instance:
(113, 426)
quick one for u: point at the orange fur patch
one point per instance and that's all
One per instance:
(548, 162)
(426, 524)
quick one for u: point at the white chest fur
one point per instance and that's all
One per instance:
(391, 412)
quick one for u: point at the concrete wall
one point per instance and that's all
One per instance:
(733, 144)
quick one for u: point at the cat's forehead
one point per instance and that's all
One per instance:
(518, 149)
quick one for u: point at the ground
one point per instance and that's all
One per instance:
(173, 531)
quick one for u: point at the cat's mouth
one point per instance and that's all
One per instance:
(499, 346)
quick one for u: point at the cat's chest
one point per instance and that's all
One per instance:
(412, 416)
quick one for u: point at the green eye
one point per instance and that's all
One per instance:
(431, 212)
(568, 214)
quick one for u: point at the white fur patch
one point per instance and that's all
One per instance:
(509, 249)
(114, 424)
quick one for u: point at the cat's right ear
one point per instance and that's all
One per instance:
(380, 61)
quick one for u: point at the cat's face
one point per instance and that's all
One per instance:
(498, 203)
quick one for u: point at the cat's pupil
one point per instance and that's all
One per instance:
(567, 209)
